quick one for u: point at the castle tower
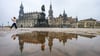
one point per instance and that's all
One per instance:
(64, 15)
(50, 12)
(21, 11)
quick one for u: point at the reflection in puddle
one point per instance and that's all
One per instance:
(45, 39)
(89, 36)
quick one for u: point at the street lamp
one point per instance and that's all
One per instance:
(8, 23)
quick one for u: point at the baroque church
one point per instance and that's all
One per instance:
(27, 19)
(31, 19)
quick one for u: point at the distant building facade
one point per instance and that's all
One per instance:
(62, 21)
(87, 23)
(97, 24)
(33, 19)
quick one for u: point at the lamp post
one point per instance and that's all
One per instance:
(8, 23)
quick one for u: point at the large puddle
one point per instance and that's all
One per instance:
(49, 44)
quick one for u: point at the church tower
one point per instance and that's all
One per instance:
(21, 11)
(50, 12)
(64, 15)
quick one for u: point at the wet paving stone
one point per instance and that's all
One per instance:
(41, 43)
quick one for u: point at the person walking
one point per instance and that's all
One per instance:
(14, 23)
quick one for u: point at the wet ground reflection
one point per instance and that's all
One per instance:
(40, 38)
(45, 37)
(54, 44)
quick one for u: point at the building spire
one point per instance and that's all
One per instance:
(64, 15)
(21, 11)
(50, 5)
(50, 11)
(64, 12)
(21, 6)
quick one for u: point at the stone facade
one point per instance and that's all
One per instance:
(62, 21)
(34, 19)
(28, 19)
(97, 24)
(87, 23)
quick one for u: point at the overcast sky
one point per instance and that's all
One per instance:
(82, 8)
